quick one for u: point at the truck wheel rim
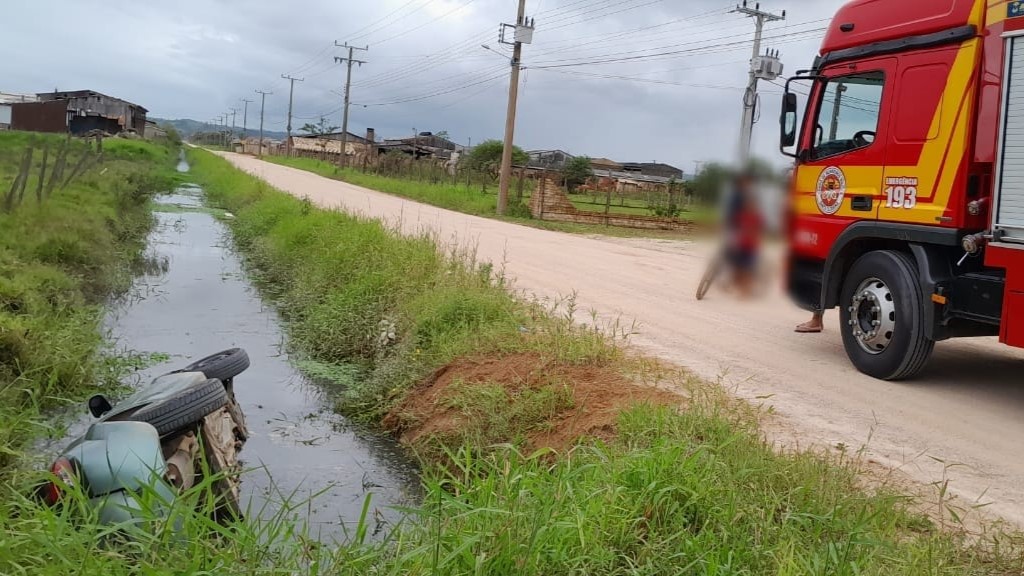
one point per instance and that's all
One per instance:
(873, 316)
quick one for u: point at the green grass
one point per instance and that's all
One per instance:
(59, 262)
(615, 208)
(353, 293)
(460, 198)
(692, 491)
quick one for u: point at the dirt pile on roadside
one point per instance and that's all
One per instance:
(520, 398)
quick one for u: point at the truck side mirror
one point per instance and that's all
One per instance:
(99, 405)
(788, 120)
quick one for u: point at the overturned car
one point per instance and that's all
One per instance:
(162, 439)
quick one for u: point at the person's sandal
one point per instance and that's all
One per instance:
(807, 328)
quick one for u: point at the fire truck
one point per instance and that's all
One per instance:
(907, 199)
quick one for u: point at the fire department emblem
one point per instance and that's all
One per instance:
(831, 190)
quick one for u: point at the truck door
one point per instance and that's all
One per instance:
(840, 175)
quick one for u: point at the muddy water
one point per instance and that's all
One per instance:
(299, 450)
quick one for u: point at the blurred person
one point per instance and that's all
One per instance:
(744, 226)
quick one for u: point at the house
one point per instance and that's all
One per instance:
(632, 181)
(330, 144)
(549, 159)
(605, 164)
(653, 169)
(7, 100)
(154, 131)
(78, 112)
(252, 146)
(423, 145)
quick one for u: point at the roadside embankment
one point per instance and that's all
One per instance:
(67, 243)
(548, 447)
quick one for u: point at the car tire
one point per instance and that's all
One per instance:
(184, 410)
(882, 316)
(222, 366)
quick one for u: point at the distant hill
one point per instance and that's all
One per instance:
(187, 127)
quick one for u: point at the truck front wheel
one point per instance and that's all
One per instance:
(882, 312)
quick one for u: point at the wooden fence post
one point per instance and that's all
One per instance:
(607, 205)
(42, 173)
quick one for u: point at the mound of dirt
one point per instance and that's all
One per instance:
(598, 394)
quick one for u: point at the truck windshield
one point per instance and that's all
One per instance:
(848, 115)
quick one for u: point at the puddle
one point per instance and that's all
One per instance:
(182, 163)
(199, 302)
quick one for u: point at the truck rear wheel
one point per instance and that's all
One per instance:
(882, 312)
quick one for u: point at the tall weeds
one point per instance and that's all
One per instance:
(61, 256)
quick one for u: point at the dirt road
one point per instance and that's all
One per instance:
(962, 420)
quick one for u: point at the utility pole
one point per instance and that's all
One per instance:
(263, 105)
(234, 113)
(832, 133)
(343, 160)
(245, 118)
(757, 71)
(291, 94)
(523, 35)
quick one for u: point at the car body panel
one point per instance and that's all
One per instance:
(115, 456)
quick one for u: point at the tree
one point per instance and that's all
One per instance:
(707, 187)
(486, 157)
(173, 136)
(319, 129)
(577, 171)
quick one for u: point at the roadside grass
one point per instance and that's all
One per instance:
(458, 197)
(468, 200)
(59, 262)
(692, 490)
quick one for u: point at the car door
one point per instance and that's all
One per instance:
(840, 174)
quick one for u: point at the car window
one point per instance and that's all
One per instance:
(848, 115)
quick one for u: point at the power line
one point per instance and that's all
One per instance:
(393, 22)
(641, 79)
(703, 45)
(438, 58)
(360, 32)
(431, 95)
(605, 15)
(415, 28)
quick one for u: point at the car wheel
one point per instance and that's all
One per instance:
(223, 365)
(184, 410)
(882, 312)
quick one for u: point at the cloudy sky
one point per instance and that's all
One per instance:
(634, 80)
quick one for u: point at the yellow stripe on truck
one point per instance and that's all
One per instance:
(941, 157)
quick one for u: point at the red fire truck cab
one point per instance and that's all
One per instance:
(907, 203)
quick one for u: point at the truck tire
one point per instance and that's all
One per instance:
(184, 410)
(882, 313)
(222, 366)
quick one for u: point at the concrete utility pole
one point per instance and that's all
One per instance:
(234, 113)
(523, 35)
(245, 118)
(263, 105)
(291, 95)
(757, 71)
(343, 159)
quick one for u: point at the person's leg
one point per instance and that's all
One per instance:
(813, 326)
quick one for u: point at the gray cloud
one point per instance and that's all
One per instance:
(197, 58)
